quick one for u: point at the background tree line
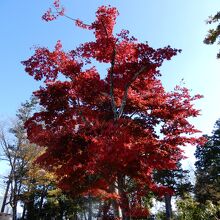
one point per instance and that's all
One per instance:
(33, 188)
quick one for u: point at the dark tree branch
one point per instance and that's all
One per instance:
(112, 85)
(106, 32)
(124, 99)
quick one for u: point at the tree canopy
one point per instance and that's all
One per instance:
(100, 133)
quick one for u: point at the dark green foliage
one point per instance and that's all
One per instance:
(208, 168)
(214, 33)
(177, 180)
(55, 207)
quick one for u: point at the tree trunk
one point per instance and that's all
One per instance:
(44, 192)
(23, 212)
(14, 211)
(114, 203)
(168, 207)
(125, 203)
(90, 208)
(5, 195)
(116, 210)
(13, 200)
(30, 208)
(85, 216)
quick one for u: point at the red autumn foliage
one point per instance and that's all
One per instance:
(100, 133)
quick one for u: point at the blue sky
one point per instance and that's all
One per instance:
(180, 24)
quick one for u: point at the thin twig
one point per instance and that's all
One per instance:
(66, 16)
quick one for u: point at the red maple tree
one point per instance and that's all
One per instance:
(102, 133)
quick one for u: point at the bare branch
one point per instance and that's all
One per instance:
(5, 147)
(3, 158)
(111, 76)
(68, 17)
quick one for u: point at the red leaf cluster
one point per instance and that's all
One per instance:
(54, 12)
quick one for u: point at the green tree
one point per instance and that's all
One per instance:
(214, 33)
(189, 209)
(207, 185)
(178, 181)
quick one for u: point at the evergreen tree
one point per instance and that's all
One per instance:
(178, 181)
(208, 168)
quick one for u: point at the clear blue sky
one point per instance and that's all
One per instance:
(178, 23)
